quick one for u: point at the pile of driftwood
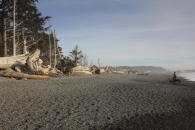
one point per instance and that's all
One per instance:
(95, 69)
(67, 65)
(142, 73)
(30, 67)
(23, 66)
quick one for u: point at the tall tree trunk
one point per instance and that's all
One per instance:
(49, 45)
(25, 47)
(58, 51)
(14, 28)
(4, 29)
(99, 62)
(24, 41)
(54, 49)
(4, 37)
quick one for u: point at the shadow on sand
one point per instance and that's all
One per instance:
(183, 120)
(168, 121)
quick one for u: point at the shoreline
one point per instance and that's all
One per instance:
(189, 76)
(108, 101)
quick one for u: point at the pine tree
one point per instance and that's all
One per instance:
(30, 31)
(29, 23)
(5, 11)
(76, 55)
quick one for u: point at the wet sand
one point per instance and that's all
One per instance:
(97, 102)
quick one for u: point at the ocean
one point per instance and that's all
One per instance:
(188, 76)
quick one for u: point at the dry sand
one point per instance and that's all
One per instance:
(97, 102)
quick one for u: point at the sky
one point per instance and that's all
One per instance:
(157, 33)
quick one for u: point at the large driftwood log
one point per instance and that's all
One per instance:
(25, 64)
(106, 69)
(68, 70)
(95, 69)
(23, 69)
(118, 72)
(66, 66)
(12, 61)
(142, 73)
(34, 62)
(22, 75)
(81, 68)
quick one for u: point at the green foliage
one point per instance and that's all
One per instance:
(76, 55)
(29, 22)
(30, 28)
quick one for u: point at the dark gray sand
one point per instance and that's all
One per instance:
(107, 102)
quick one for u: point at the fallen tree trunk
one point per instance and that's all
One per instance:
(12, 61)
(95, 69)
(142, 73)
(22, 75)
(34, 62)
(118, 72)
(81, 68)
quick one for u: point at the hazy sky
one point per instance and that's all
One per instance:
(126, 32)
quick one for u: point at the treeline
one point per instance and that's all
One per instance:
(140, 68)
(149, 68)
(28, 33)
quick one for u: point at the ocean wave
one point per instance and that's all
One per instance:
(188, 76)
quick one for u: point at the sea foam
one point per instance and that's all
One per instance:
(188, 76)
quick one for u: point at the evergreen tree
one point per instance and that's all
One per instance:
(5, 11)
(29, 22)
(30, 31)
(76, 55)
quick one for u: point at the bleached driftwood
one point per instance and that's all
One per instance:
(7, 62)
(81, 68)
(22, 75)
(95, 69)
(34, 62)
(82, 73)
(106, 69)
(70, 70)
(67, 66)
(24, 65)
(118, 72)
(142, 73)
(102, 71)
(23, 69)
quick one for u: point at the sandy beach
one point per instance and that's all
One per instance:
(97, 102)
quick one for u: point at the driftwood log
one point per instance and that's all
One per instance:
(68, 70)
(67, 65)
(22, 75)
(81, 68)
(34, 62)
(12, 61)
(142, 73)
(25, 66)
(95, 69)
(106, 69)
